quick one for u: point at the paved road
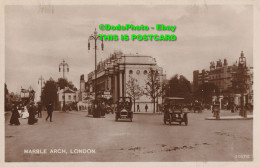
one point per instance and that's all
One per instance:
(144, 139)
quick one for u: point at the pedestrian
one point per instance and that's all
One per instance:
(39, 110)
(146, 107)
(15, 115)
(31, 120)
(49, 111)
(138, 108)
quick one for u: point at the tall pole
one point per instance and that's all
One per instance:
(63, 64)
(95, 70)
(41, 79)
(95, 37)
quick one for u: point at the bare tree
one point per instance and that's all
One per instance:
(133, 89)
(153, 86)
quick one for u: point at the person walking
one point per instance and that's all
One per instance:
(39, 110)
(138, 108)
(32, 120)
(49, 111)
(15, 116)
(146, 107)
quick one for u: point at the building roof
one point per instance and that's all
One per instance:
(67, 90)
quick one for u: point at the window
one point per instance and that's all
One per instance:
(74, 98)
(69, 97)
(130, 71)
(145, 72)
(138, 72)
(62, 97)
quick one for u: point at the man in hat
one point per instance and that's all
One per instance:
(15, 115)
(32, 120)
(49, 111)
(39, 110)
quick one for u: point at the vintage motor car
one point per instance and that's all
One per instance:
(109, 110)
(197, 107)
(123, 111)
(175, 111)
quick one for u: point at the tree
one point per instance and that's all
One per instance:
(153, 86)
(133, 89)
(49, 92)
(179, 86)
(6, 98)
(206, 91)
(65, 83)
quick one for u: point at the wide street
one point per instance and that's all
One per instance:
(144, 139)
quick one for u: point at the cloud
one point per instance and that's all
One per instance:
(37, 42)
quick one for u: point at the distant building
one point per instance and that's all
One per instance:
(199, 78)
(221, 75)
(68, 95)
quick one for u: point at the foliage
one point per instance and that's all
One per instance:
(65, 83)
(153, 86)
(49, 92)
(206, 91)
(7, 102)
(179, 86)
(133, 89)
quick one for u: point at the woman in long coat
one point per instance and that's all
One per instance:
(15, 116)
(31, 120)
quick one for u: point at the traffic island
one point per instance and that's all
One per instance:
(249, 117)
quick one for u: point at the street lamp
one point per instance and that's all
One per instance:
(64, 66)
(41, 79)
(242, 85)
(95, 37)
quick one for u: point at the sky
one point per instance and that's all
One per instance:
(36, 41)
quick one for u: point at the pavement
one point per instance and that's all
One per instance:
(236, 117)
(78, 138)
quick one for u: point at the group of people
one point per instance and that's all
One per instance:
(31, 113)
(138, 108)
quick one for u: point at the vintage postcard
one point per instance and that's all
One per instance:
(100, 83)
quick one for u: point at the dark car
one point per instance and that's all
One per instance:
(197, 107)
(175, 111)
(123, 111)
(109, 110)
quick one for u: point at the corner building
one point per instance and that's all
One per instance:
(113, 74)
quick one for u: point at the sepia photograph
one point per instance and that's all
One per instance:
(128, 83)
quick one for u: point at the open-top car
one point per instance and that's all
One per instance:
(175, 110)
(124, 106)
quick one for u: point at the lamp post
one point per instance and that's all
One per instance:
(64, 66)
(95, 37)
(242, 81)
(41, 79)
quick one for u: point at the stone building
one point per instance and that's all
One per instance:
(113, 73)
(222, 75)
(68, 96)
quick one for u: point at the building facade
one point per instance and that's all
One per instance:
(114, 72)
(67, 95)
(222, 75)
